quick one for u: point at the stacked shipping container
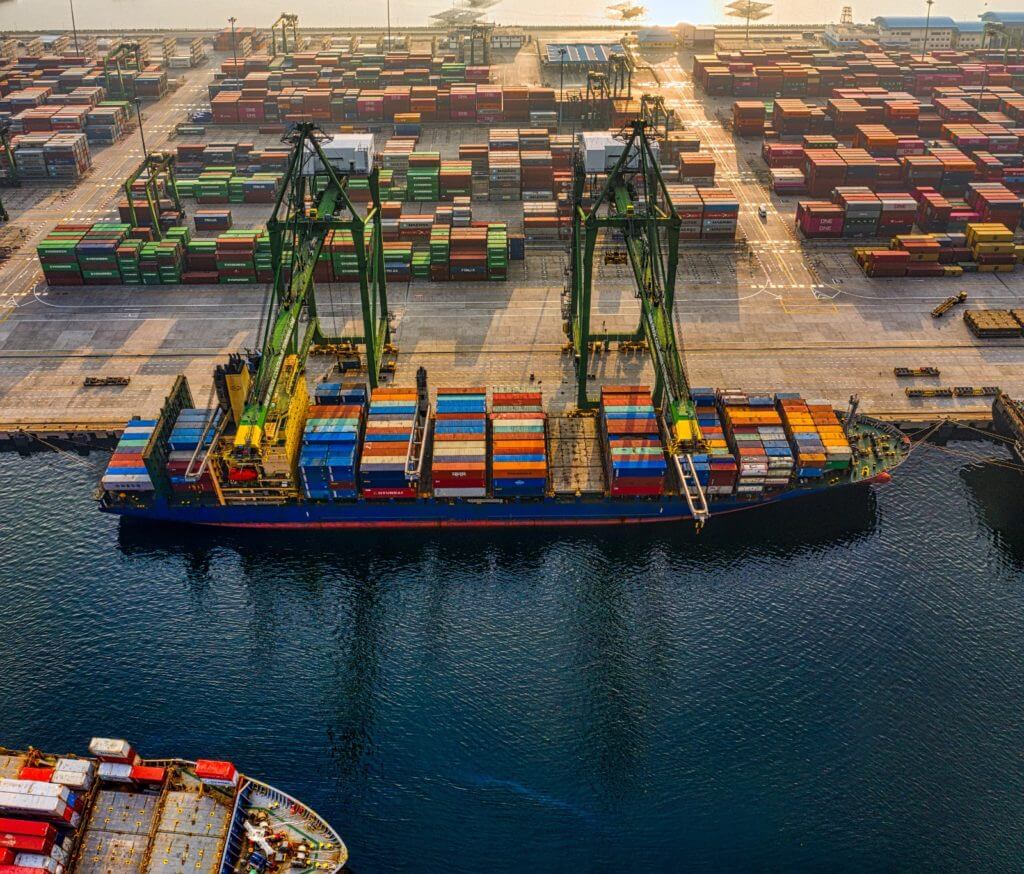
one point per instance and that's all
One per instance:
(459, 467)
(633, 448)
(518, 445)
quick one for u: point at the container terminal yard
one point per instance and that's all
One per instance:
(113, 811)
(763, 301)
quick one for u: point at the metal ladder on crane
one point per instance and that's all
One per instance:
(689, 484)
(691, 489)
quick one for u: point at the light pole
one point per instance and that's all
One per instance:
(142, 135)
(927, 22)
(389, 25)
(234, 46)
(74, 29)
(562, 52)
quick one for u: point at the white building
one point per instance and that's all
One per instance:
(969, 35)
(910, 32)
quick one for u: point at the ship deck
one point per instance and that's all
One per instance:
(186, 827)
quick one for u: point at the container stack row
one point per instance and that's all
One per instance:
(519, 466)
(708, 213)
(634, 451)
(329, 457)
(716, 467)
(459, 467)
(183, 449)
(817, 436)
(755, 433)
(985, 248)
(387, 443)
(126, 471)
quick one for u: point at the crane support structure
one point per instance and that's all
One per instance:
(287, 24)
(155, 167)
(9, 175)
(115, 60)
(311, 204)
(634, 202)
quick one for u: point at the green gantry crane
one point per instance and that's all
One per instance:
(9, 175)
(634, 201)
(287, 24)
(312, 203)
(125, 57)
(154, 167)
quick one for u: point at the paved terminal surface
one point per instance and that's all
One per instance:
(770, 312)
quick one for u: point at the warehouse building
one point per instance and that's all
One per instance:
(970, 35)
(910, 32)
(580, 57)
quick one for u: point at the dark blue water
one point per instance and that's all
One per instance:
(834, 685)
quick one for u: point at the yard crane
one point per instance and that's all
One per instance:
(156, 174)
(658, 116)
(287, 23)
(125, 57)
(311, 204)
(634, 201)
(9, 176)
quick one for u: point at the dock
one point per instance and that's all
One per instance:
(770, 310)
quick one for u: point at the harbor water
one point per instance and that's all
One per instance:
(835, 684)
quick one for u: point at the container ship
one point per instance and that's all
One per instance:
(360, 454)
(112, 812)
(474, 458)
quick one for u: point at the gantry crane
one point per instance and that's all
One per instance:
(634, 201)
(311, 204)
(657, 115)
(9, 176)
(287, 23)
(117, 59)
(154, 168)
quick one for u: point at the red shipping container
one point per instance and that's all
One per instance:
(43, 775)
(9, 825)
(18, 869)
(210, 769)
(26, 843)
(6, 857)
(148, 774)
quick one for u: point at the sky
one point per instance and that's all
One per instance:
(102, 14)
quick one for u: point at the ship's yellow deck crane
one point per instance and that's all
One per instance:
(311, 204)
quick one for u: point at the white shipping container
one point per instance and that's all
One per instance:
(34, 860)
(227, 784)
(460, 493)
(36, 804)
(127, 483)
(34, 787)
(81, 766)
(72, 779)
(110, 748)
(116, 772)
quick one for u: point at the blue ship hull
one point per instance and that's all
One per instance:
(442, 513)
